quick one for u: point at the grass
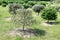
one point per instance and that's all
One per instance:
(52, 32)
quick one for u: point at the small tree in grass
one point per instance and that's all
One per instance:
(49, 13)
(38, 8)
(23, 18)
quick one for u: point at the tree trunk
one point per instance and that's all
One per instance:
(23, 27)
(38, 13)
(48, 21)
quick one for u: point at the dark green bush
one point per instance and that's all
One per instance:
(49, 13)
(0, 3)
(31, 2)
(38, 8)
(5, 2)
(4, 5)
(43, 3)
(26, 5)
(10, 2)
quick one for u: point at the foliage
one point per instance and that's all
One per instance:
(38, 8)
(43, 3)
(26, 5)
(0, 3)
(13, 7)
(49, 13)
(31, 2)
(4, 3)
(23, 18)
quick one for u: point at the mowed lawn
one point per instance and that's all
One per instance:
(51, 32)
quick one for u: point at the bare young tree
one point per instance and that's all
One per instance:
(23, 18)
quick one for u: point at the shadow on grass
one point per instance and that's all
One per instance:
(39, 32)
(33, 32)
(52, 23)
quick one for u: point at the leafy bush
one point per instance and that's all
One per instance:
(38, 8)
(31, 2)
(49, 13)
(43, 3)
(4, 3)
(0, 3)
(13, 7)
(26, 5)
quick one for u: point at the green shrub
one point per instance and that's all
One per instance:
(4, 2)
(23, 18)
(0, 3)
(49, 13)
(4, 5)
(43, 3)
(38, 8)
(26, 5)
(31, 2)
(13, 7)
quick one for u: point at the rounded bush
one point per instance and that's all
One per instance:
(38, 8)
(49, 13)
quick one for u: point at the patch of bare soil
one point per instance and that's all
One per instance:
(27, 32)
(8, 19)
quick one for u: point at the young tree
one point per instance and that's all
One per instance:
(49, 13)
(38, 8)
(23, 18)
